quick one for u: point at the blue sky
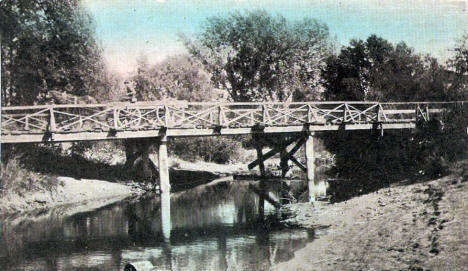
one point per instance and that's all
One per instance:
(129, 28)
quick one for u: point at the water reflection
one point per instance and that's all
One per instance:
(166, 215)
(226, 226)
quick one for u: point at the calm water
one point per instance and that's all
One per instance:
(226, 226)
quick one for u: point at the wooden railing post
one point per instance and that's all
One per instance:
(378, 112)
(263, 114)
(285, 117)
(427, 112)
(26, 124)
(417, 113)
(252, 117)
(52, 124)
(220, 115)
(116, 118)
(345, 109)
(167, 121)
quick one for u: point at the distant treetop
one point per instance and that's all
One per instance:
(259, 57)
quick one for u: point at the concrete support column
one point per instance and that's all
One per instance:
(310, 163)
(163, 162)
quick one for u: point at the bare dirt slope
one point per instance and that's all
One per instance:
(406, 227)
(67, 191)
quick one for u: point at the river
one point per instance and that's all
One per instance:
(224, 226)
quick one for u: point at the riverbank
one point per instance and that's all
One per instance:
(67, 191)
(95, 177)
(30, 191)
(405, 227)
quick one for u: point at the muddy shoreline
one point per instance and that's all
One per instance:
(83, 194)
(404, 227)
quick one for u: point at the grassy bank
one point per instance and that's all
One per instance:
(419, 226)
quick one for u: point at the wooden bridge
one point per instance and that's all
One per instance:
(75, 122)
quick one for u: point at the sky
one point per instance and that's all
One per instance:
(128, 29)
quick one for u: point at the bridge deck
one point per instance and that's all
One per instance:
(74, 122)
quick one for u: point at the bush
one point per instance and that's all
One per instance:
(373, 161)
(220, 150)
(17, 179)
(441, 141)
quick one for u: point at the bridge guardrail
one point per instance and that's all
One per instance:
(151, 115)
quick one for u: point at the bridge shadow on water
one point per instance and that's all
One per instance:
(46, 161)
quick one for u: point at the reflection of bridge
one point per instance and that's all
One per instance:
(59, 123)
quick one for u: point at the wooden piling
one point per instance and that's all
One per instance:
(310, 163)
(130, 149)
(261, 165)
(259, 148)
(166, 215)
(284, 161)
(163, 162)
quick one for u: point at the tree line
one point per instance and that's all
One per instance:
(251, 56)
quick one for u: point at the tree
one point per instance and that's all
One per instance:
(178, 78)
(377, 70)
(257, 57)
(47, 45)
(459, 66)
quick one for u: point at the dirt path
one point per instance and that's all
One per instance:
(408, 227)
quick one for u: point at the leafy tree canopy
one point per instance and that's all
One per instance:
(459, 65)
(256, 56)
(177, 78)
(47, 45)
(378, 70)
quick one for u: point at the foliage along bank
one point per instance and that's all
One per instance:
(375, 69)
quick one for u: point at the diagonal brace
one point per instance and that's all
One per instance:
(269, 154)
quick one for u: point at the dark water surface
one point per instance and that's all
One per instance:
(226, 226)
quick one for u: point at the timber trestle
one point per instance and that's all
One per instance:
(299, 120)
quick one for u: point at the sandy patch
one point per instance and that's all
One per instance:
(68, 191)
(412, 227)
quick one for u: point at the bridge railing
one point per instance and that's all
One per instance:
(412, 112)
(152, 115)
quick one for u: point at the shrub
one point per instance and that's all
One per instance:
(15, 178)
(209, 149)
